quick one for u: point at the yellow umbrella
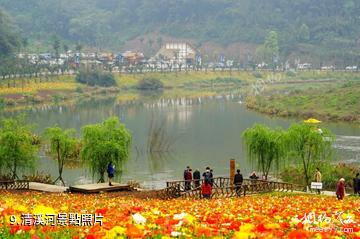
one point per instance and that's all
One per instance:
(312, 121)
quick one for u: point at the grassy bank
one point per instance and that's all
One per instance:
(335, 102)
(312, 93)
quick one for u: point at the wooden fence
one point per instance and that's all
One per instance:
(14, 185)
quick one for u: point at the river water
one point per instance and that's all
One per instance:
(204, 132)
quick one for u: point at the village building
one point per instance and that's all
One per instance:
(178, 53)
(131, 58)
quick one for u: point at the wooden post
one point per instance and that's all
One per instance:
(232, 171)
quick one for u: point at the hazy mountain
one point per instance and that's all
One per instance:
(325, 29)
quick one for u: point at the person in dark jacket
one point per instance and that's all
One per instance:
(253, 176)
(238, 180)
(188, 179)
(206, 189)
(356, 184)
(111, 172)
(340, 189)
(185, 171)
(196, 177)
(211, 177)
(207, 174)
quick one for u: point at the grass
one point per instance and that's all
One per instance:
(300, 94)
(335, 102)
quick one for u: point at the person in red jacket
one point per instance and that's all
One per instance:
(188, 179)
(206, 189)
(340, 189)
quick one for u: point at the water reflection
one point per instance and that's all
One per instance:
(207, 132)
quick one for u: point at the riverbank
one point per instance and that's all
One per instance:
(287, 94)
(276, 215)
(334, 102)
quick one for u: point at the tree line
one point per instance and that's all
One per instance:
(98, 145)
(301, 144)
(322, 29)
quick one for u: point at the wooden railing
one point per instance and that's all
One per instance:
(222, 188)
(14, 185)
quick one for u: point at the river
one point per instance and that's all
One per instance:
(206, 132)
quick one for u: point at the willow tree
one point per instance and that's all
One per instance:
(17, 147)
(103, 143)
(265, 147)
(310, 146)
(63, 146)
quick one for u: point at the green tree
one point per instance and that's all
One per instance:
(62, 147)
(56, 46)
(269, 51)
(9, 39)
(105, 142)
(309, 147)
(265, 147)
(78, 47)
(17, 147)
(303, 33)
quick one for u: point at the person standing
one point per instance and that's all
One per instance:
(188, 180)
(340, 189)
(111, 172)
(185, 171)
(196, 177)
(207, 175)
(356, 182)
(211, 177)
(238, 180)
(317, 178)
(206, 189)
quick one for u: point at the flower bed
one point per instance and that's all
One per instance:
(259, 216)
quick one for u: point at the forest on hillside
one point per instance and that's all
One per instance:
(324, 29)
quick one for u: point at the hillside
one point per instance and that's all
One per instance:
(325, 30)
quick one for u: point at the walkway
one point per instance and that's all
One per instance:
(223, 188)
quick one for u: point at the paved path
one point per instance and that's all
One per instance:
(100, 187)
(47, 187)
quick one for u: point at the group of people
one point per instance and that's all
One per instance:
(208, 180)
(195, 176)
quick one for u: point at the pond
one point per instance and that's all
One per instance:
(204, 132)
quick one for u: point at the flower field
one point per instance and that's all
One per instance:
(113, 216)
(35, 87)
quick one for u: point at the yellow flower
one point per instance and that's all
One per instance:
(64, 208)
(244, 235)
(189, 218)
(20, 208)
(248, 227)
(43, 210)
(272, 226)
(115, 232)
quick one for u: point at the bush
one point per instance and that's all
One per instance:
(39, 178)
(330, 175)
(257, 74)
(291, 73)
(95, 77)
(2, 103)
(79, 90)
(150, 84)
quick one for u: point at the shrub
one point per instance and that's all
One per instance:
(330, 174)
(39, 177)
(96, 77)
(291, 73)
(79, 90)
(2, 103)
(257, 74)
(150, 84)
